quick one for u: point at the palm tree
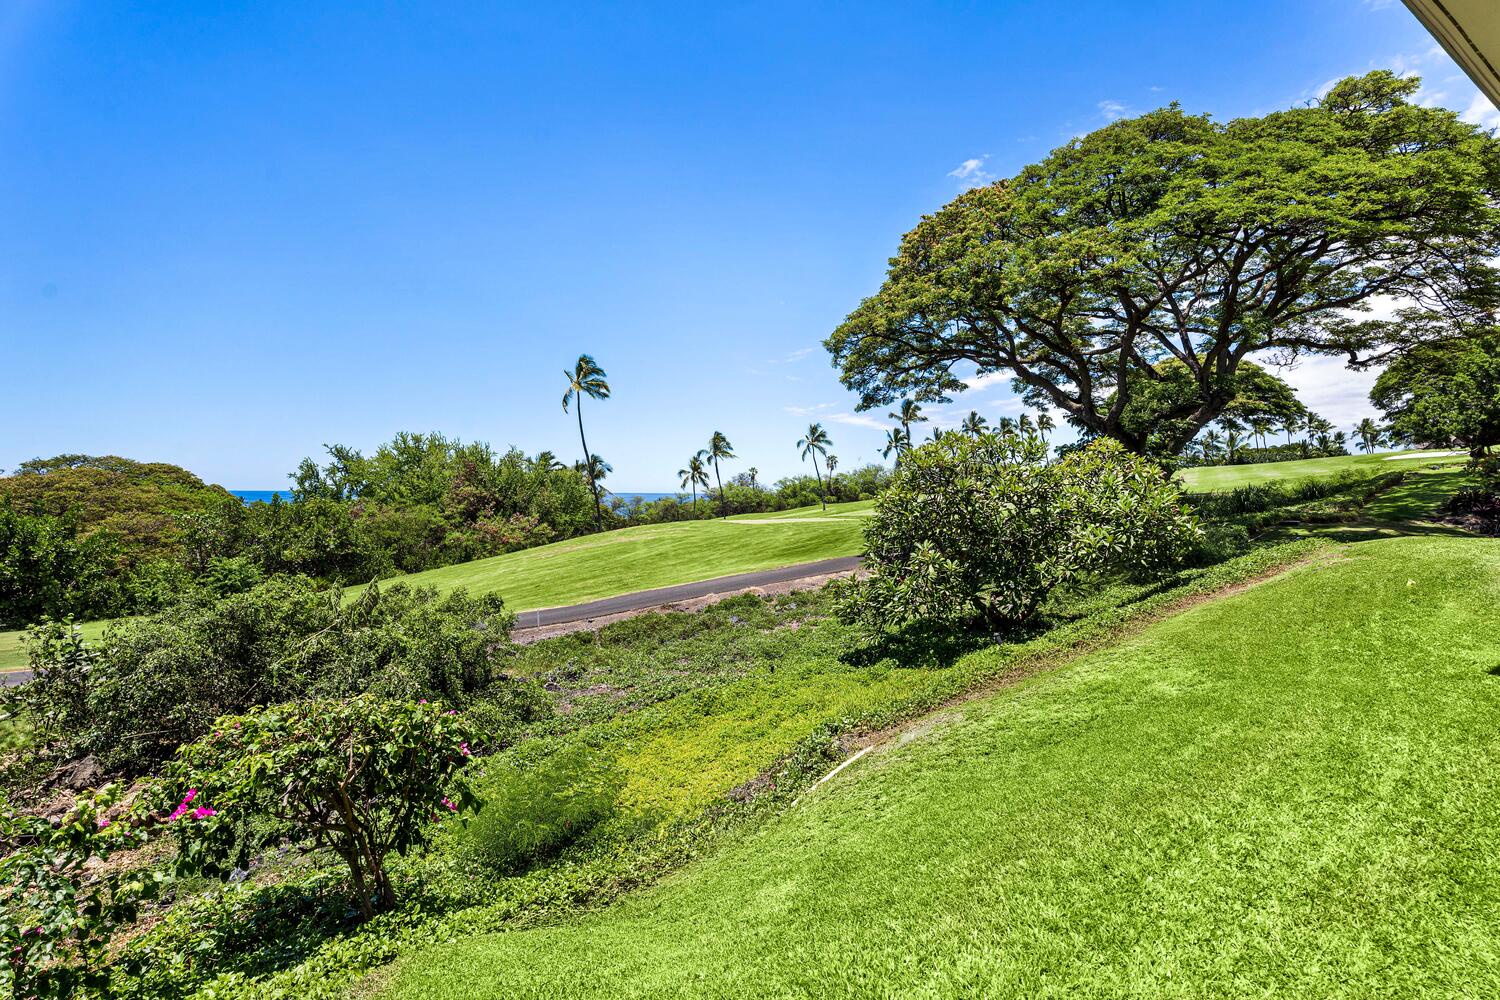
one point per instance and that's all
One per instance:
(1369, 435)
(597, 470)
(1259, 427)
(975, 424)
(815, 443)
(1024, 424)
(754, 472)
(719, 447)
(1006, 426)
(586, 379)
(1232, 442)
(1210, 444)
(895, 440)
(1044, 424)
(545, 461)
(1291, 424)
(695, 475)
(908, 413)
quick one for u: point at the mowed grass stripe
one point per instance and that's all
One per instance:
(1286, 792)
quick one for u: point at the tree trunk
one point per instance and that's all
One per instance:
(720, 480)
(822, 497)
(588, 467)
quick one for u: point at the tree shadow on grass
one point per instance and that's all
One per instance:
(922, 644)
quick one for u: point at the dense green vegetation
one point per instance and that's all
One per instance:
(1304, 810)
(96, 536)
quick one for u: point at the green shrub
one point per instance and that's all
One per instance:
(362, 777)
(59, 902)
(153, 683)
(533, 808)
(977, 530)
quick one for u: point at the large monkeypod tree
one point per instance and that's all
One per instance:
(1145, 262)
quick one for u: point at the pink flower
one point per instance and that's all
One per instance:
(182, 807)
(102, 822)
(463, 748)
(450, 805)
(203, 812)
(422, 702)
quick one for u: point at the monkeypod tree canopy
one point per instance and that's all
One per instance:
(1170, 244)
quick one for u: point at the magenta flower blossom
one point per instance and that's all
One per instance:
(450, 805)
(203, 812)
(102, 822)
(182, 807)
(463, 748)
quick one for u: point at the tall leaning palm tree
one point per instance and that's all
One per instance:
(695, 475)
(586, 379)
(719, 447)
(815, 443)
(1369, 435)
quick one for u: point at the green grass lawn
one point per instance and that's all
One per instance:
(657, 555)
(855, 508)
(1227, 477)
(1289, 791)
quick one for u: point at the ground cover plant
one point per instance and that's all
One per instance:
(1165, 817)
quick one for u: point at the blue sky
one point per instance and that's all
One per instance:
(234, 232)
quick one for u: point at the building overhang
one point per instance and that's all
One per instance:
(1470, 31)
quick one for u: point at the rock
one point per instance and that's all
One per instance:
(79, 775)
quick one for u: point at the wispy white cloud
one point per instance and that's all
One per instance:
(1328, 388)
(809, 411)
(1112, 110)
(857, 420)
(971, 172)
(1378, 4)
(1481, 112)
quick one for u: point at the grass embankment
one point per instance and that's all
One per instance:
(1288, 791)
(748, 694)
(1212, 478)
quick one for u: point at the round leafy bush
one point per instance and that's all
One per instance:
(977, 530)
(362, 777)
(532, 808)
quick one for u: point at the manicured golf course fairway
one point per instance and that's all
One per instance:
(655, 555)
(1210, 478)
(1289, 791)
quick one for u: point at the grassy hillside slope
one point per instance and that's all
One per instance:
(1290, 791)
(1227, 477)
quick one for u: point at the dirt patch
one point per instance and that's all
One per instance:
(536, 632)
